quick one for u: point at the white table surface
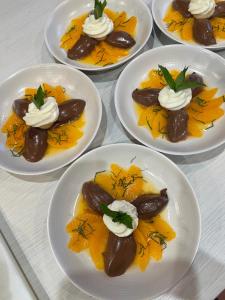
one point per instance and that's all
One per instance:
(24, 200)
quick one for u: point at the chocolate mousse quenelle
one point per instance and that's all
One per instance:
(98, 27)
(202, 11)
(41, 114)
(174, 97)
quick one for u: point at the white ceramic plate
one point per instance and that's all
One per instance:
(159, 9)
(70, 9)
(208, 64)
(182, 213)
(77, 85)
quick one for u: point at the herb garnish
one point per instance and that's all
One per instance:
(38, 98)
(117, 216)
(180, 83)
(99, 8)
(158, 238)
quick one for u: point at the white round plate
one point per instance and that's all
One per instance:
(208, 64)
(182, 213)
(77, 85)
(70, 9)
(159, 9)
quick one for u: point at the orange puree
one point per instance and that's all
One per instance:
(183, 26)
(203, 110)
(59, 139)
(103, 54)
(87, 230)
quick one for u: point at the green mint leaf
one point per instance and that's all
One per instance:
(99, 8)
(38, 99)
(189, 85)
(117, 216)
(181, 77)
(168, 77)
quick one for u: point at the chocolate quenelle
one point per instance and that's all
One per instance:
(35, 144)
(146, 97)
(120, 39)
(196, 78)
(119, 254)
(182, 6)
(150, 205)
(219, 10)
(20, 107)
(203, 32)
(69, 110)
(95, 195)
(177, 125)
(83, 47)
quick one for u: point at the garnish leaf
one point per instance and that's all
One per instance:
(117, 216)
(189, 85)
(169, 79)
(39, 97)
(180, 83)
(99, 8)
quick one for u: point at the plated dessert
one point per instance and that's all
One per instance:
(45, 120)
(200, 21)
(100, 37)
(119, 220)
(176, 105)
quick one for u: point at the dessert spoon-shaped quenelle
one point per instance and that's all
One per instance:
(146, 97)
(203, 32)
(177, 125)
(182, 6)
(20, 107)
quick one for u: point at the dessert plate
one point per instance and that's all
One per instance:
(77, 85)
(208, 64)
(182, 213)
(70, 9)
(159, 9)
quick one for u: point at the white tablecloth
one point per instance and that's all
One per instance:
(24, 200)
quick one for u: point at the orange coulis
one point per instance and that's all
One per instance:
(59, 139)
(88, 232)
(203, 110)
(103, 54)
(184, 26)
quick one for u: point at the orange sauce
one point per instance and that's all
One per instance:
(59, 139)
(103, 54)
(203, 110)
(88, 232)
(184, 26)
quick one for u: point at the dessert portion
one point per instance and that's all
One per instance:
(201, 21)
(100, 37)
(175, 105)
(44, 121)
(117, 219)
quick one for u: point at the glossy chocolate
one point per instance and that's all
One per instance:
(95, 195)
(120, 39)
(69, 110)
(203, 32)
(20, 107)
(146, 97)
(119, 254)
(196, 78)
(182, 6)
(150, 205)
(35, 144)
(177, 125)
(219, 10)
(83, 47)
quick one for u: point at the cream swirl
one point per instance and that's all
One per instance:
(119, 229)
(98, 28)
(43, 117)
(202, 9)
(172, 100)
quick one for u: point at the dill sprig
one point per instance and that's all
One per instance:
(158, 238)
(84, 229)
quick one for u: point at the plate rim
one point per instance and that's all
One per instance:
(162, 156)
(96, 69)
(118, 112)
(215, 47)
(59, 66)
